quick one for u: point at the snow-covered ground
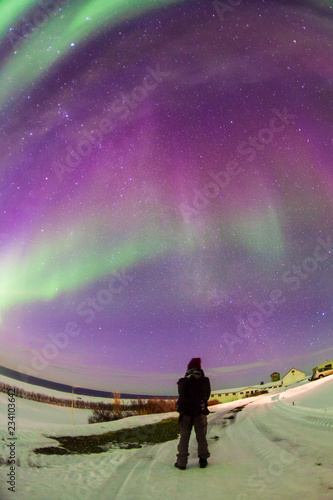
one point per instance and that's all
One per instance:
(279, 447)
(52, 392)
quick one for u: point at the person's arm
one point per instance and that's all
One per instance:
(180, 384)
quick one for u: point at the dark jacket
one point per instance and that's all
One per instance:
(194, 392)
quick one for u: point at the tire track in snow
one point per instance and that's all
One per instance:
(134, 478)
(289, 454)
(128, 480)
(278, 457)
(238, 453)
(304, 413)
(325, 421)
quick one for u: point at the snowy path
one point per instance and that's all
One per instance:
(271, 450)
(263, 453)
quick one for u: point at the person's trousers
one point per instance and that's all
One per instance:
(186, 422)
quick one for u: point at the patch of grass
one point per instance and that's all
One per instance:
(166, 430)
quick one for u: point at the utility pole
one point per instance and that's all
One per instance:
(73, 403)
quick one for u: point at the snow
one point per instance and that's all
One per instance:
(278, 447)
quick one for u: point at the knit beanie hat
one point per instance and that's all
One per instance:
(194, 364)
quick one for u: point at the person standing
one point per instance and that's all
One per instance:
(194, 392)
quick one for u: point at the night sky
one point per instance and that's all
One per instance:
(166, 190)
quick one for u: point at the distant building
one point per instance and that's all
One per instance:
(293, 376)
(225, 396)
(275, 377)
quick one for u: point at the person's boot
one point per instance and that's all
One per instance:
(180, 467)
(202, 462)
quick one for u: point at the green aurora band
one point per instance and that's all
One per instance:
(75, 24)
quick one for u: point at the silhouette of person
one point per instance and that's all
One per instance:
(194, 392)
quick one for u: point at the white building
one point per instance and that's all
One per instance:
(227, 395)
(293, 376)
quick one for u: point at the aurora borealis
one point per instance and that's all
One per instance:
(166, 190)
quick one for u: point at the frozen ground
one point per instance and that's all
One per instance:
(279, 446)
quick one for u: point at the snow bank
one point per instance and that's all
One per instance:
(272, 450)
